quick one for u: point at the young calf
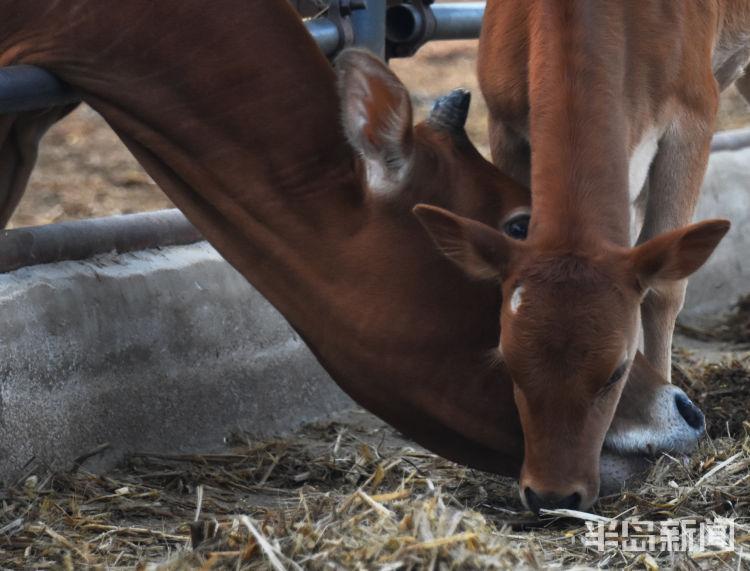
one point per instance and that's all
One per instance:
(607, 109)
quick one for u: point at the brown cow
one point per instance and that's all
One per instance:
(588, 100)
(241, 130)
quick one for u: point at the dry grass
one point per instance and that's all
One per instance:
(348, 496)
(722, 392)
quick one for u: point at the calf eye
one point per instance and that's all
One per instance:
(618, 374)
(517, 227)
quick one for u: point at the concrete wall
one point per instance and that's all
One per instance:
(725, 278)
(158, 350)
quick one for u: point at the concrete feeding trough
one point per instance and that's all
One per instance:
(133, 332)
(716, 288)
(161, 349)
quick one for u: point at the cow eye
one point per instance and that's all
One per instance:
(517, 227)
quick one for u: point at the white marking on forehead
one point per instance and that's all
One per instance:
(516, 299)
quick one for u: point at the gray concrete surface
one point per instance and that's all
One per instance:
(158, 350)
(725, 278)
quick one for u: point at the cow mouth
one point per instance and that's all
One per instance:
(618, 469)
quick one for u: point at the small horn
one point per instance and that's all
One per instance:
(450, 111)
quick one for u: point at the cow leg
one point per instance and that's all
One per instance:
(510, 151)
(743, 84)
(674, 185)
(19, 139)
(503, 74)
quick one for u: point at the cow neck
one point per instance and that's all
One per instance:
(269, 180)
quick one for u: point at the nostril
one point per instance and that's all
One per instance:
(574, 501)
(535, 502)
(691, 413)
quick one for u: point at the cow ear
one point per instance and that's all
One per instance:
(481, 251)
(376, 115)
(677, 254)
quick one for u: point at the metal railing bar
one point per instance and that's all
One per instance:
(82, 239)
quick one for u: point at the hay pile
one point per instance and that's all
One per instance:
(353, 495)
(722, 392)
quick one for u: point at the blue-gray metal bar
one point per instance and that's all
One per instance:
(369, 27)
(26, 87)
(457, 20)
(325, 33)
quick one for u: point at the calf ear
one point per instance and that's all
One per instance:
(481, 251)
(377, 116)
(675, 255)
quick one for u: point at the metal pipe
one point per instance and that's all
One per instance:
(82, 239)
(731, 140)
(410, 25)
(369, 27)
(325, 33)
(27, 87)
(403, 23)
(457, 20)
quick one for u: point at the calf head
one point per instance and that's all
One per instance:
(432, 162)
(569, 324)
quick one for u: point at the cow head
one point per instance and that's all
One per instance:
(434, 161)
